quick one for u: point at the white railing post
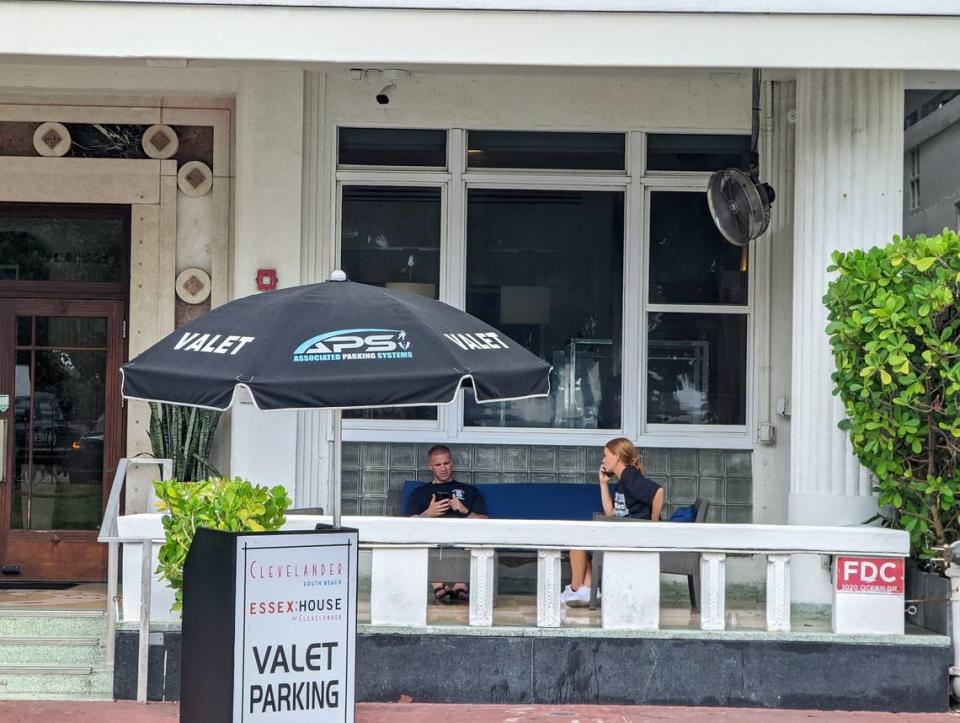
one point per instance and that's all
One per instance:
(113, 552)
(631, 590)
(398, 585)
(482, 574)
(143, 650)
(778, 593)
(548, 588)
(712, 590)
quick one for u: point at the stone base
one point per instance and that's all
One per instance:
(896, 674)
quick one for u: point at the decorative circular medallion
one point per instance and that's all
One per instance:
(51, 139)
(193, 286)
(195, 178)
(160, 141)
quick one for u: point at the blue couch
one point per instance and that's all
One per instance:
(531, 500)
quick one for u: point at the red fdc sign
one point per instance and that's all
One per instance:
(870, 574)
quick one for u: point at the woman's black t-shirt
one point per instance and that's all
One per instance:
(634, 495)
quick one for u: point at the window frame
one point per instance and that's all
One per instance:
(693, 184)
(637, 185)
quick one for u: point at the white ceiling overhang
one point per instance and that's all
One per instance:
(329, 32)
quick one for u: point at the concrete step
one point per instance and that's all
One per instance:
(45, 651)
(61, 681)
(52, 623)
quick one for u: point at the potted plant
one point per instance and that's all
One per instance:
(232, 505)
(184, 435)
(894, 328)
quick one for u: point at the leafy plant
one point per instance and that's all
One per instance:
(895, 333)
(184, 434)
(232, 505)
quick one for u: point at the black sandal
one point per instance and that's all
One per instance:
(460, 594)
(441, 593)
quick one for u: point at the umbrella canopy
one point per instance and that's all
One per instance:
(335, 344)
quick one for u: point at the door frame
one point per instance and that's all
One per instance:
(78, 546)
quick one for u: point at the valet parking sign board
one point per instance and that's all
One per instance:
(296, 627)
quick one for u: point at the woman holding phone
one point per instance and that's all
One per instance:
(635, 496)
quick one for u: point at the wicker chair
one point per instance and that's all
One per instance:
(673, 563)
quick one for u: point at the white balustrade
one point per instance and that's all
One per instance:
(778, 593)
(399, 584)
(630, 588)
(482, 582)
(548, 588)
(713, 580)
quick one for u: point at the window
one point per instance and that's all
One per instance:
(390, 236)
(914, 179)
(553, 150)
(77, 243)
(694, 152)
(618, 278)
(392, 147)
(696, 349)
(546, 267)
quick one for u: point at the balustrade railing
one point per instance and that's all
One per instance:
(399, 549)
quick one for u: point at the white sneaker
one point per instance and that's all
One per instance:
(579, 598)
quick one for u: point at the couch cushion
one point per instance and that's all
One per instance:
(534, 500)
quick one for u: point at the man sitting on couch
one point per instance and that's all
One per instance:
(445, 497)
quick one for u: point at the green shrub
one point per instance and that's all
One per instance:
(232, 505)
(895, 333)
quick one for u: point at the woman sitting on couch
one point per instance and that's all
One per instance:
(635, 496)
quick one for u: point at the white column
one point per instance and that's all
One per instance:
(314, 431)
(482, 572)
(631, 590)
(713, 583)
(398, 586)
(849, 159)
(548, 588)
(778, 593)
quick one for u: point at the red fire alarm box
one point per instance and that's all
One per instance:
(266, 279)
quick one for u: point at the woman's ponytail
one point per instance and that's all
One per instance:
(625, 451)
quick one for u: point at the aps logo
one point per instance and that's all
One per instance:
(354, 344)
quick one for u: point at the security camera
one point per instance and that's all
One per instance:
(383, 97)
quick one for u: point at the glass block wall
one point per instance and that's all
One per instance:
(372, 469)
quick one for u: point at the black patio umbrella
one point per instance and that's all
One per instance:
(334, 345)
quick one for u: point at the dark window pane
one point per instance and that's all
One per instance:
(392, 147)
(390, 236)
(696, 368)
(58, 440)
(546, 268)
(71, 331)
(528, 149)
(690, 262)
(63, 243)
(686, 152)
(24, 330)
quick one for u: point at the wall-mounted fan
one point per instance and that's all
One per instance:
(739, 202)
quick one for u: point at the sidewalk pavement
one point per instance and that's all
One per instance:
(128, 712)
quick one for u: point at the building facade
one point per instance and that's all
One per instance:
(543, 170)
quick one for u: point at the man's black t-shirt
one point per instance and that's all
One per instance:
(634, 495)
(419, 499)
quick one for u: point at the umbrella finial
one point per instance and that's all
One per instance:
(338, 275)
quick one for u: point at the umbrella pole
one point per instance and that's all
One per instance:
(337, 461)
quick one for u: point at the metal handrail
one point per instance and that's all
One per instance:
(109, 534)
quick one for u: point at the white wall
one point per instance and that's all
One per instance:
(269, 136)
